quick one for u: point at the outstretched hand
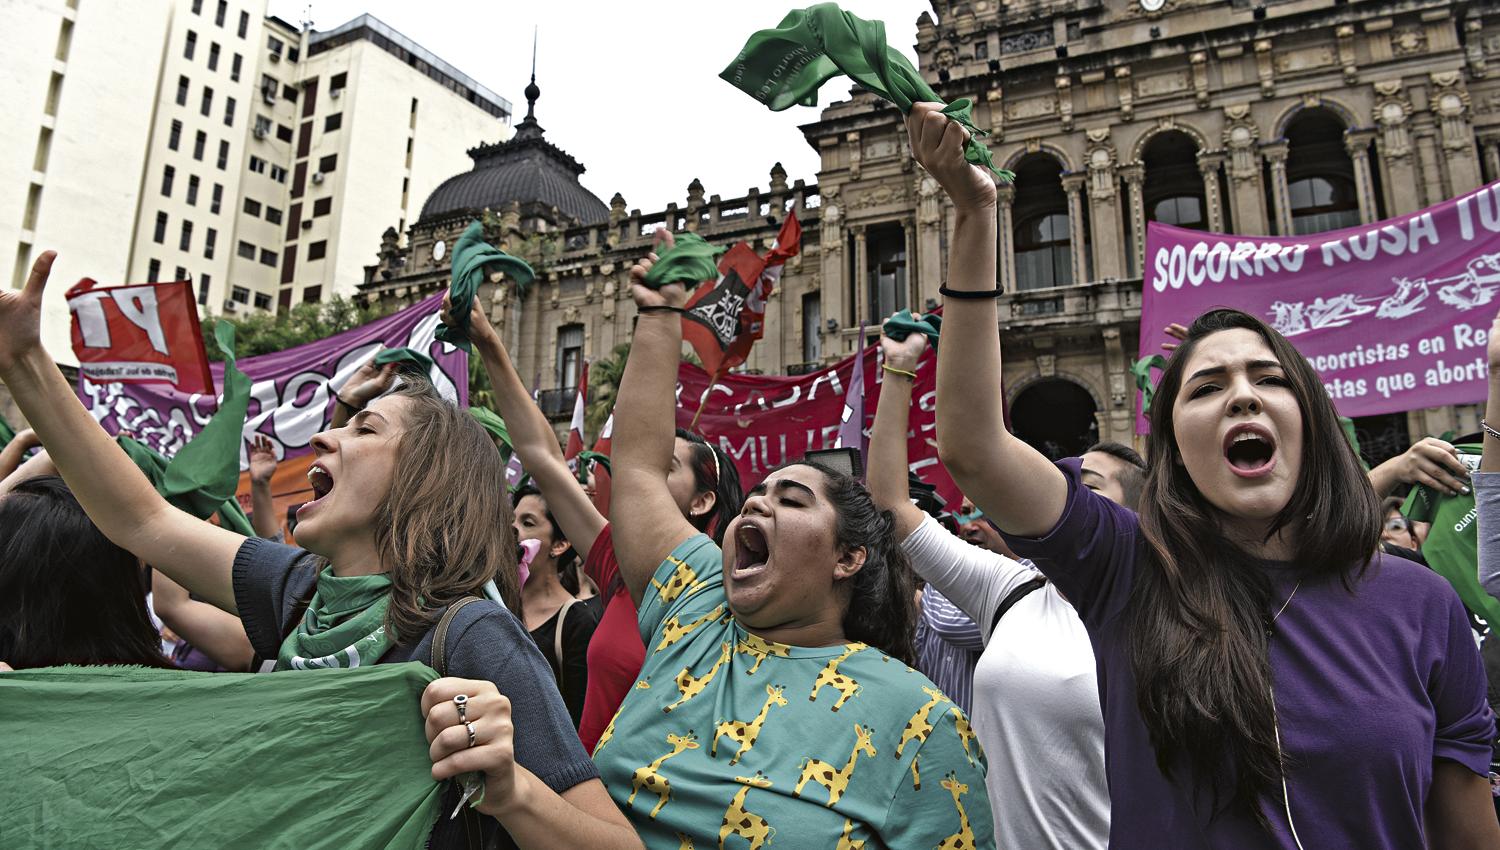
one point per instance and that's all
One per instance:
(21, 313)
(262, 460)
(671, 295)
(1176, 331)
(368, 383)
(937, 142)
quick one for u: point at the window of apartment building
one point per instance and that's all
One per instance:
(246, 250)
(252, 207)
(197, 7)
(182, 90)
(317, 250)
(278, 174)
(213, 56)
(268, 87)
(229, 112)
(234, 67)
(291, 54)
(180, 274)
(210, 242)
(207, 104)
(262, 301)
(185, 240)
(283, 133)
(190, 46)
(273, 215)
(221, 12)
(244, 23)
(240, 294)
(274, 45)
(288, 270)
(257, 165)
(262, 126)
(328, 163)
(289, 93)
(218, 199)
(174, 136)
(159, 236)
(153, 271)
(322, 206)
(338, 82)
(203, 284)
(192, 190)
(569, 355)
(223, 162)
(200, 141)
(268, 257)
(168, 174)
(333, 122)
(312, 294)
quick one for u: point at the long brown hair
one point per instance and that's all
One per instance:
(1198, 622)
(445, 527)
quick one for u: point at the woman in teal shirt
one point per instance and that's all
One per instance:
(776, 693)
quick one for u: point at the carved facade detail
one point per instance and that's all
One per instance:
(1392, 109)
(1240, 138)
(1450, 103)
(1101, 164)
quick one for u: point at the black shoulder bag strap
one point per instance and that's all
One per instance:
(437, 659)
(1013, 597)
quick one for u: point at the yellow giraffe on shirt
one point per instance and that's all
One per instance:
(745, 733)
(916, 774)
(742, 822)
(607, 734)
(685, 842)
(846, 841)
(964, 838)
(830, 675)
(965, 732)
(673, 631)
(836, 780)
(649, 778)
(919, 727)
(691, 686)
(683, 580)
(760, 649)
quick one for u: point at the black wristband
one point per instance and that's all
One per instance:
(660, 308)
(970, 295)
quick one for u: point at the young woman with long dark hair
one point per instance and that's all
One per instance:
(1267, 679)
(410, 518)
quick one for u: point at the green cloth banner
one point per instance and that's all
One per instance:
(473, 258)
(785, 66)
(1452, 544)
(689, 262)
(138, 757)
(409, 359)
(904, 324)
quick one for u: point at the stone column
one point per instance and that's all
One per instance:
(861, 275)
(1281, 202)
(1104, 208)
(1208, 167)
(834, 265)
(1005, 237)
(924, 237)
(1135, 177)
(1398, 170)
(1073, 186)
(1357, 143)
(1245, 192)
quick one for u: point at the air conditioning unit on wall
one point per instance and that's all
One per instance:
(317, 177)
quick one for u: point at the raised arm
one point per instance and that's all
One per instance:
(117, 497)
(887, 468)
(366, 385)
(1012, 482)
(532, 438)
(647, 524)
(220, 635)
(1430, 462)
(10, 457)
(262, 508)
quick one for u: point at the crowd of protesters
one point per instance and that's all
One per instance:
(1228, 640)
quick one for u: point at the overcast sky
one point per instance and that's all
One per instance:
(631, 90)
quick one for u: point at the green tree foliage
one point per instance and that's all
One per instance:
(266, 332)
(604, 385)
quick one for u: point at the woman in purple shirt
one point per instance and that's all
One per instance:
(1266, 679)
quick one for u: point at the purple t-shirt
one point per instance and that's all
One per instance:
(1371, 687)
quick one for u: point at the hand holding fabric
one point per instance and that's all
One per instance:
(902, 352)
(262, 460)
(493, 753)
(937, 142)
(405, 359)
(21, 313)
(1432, 463)
(903, 324)
(688, 260)
(481, 332)
(368, 383)
(472, 259)
(647, 296)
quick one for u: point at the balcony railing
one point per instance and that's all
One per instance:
(557, 403)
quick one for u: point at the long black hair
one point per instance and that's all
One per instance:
(67, 594)
(882, 610)
(1200, 605)
(714, 472)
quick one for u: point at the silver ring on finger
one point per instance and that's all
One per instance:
(473, 739)
(461, 702)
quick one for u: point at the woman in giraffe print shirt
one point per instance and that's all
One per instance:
(776, 700)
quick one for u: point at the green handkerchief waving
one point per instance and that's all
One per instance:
(785, 66)
(472, 259)
(689, 262)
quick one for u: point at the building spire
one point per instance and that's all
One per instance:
(532, 92)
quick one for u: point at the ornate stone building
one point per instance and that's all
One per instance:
(1249, 116)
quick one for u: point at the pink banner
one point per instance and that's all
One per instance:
(291, 398)
(1394, 315)
(763, 421)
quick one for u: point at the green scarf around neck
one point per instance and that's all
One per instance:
(344, 625)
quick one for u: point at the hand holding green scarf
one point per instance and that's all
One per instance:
(903, 324)
(472, 258)
(689, 262)
(785, 66)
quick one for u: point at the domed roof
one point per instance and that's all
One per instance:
(527, 169)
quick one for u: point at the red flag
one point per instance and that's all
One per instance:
(603, 483)
(575, 430)
(139, 334)
(723, 321)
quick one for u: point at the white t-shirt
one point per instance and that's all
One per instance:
(1036, 697)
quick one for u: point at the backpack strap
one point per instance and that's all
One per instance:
(557, 640)
(1013, 597)
(437, 653)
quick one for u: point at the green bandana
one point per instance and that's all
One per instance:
(1452, 544)
(1141, 369)
(904, 324)
(344, 625)
(472, 258)
(491, 422)
(689, 262)
(410, 360)
(784, 67)
(171, 758)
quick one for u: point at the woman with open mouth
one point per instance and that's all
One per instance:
(1267, 680)
(410, 518)
(775, 703)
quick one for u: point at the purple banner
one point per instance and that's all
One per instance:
(292, 395)
(1394, 315)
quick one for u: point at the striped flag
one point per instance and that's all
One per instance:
(575, 430)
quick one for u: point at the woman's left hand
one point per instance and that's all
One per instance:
(493, 752)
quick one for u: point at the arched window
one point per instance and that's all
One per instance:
(1181, 211)
(1173, 191)
(1322, 203)
(1319, 173)
(1042, 233)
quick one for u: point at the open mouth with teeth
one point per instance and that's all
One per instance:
(1250, 450)
(322, 484)
(751, 551)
